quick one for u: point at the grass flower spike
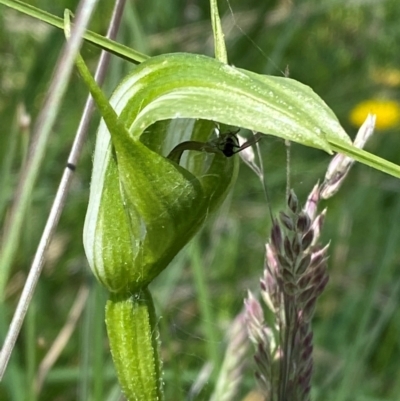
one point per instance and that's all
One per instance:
(295, 275)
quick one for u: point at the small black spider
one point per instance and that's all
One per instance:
(227, 143)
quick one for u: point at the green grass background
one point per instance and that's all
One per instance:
(331, 45)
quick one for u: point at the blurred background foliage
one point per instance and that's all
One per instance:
(347, 51)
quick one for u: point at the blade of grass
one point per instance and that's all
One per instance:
(367, 158)
(205, 304)
(219, 42)
(104, 43)
(43, 131)
(6, 176)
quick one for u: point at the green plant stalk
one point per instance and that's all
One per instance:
(218, 34)
(366, 158)
(113, 47)
(133, 334)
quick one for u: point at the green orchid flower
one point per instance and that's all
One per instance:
(144, 207)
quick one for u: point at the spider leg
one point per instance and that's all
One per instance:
(250, 142)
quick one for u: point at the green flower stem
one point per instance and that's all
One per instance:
(366, 158)
(132, 331)
(219, 41)
(104, 43)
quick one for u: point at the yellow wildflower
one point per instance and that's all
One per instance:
(387, 113)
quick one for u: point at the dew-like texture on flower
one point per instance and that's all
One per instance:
(387, 113)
